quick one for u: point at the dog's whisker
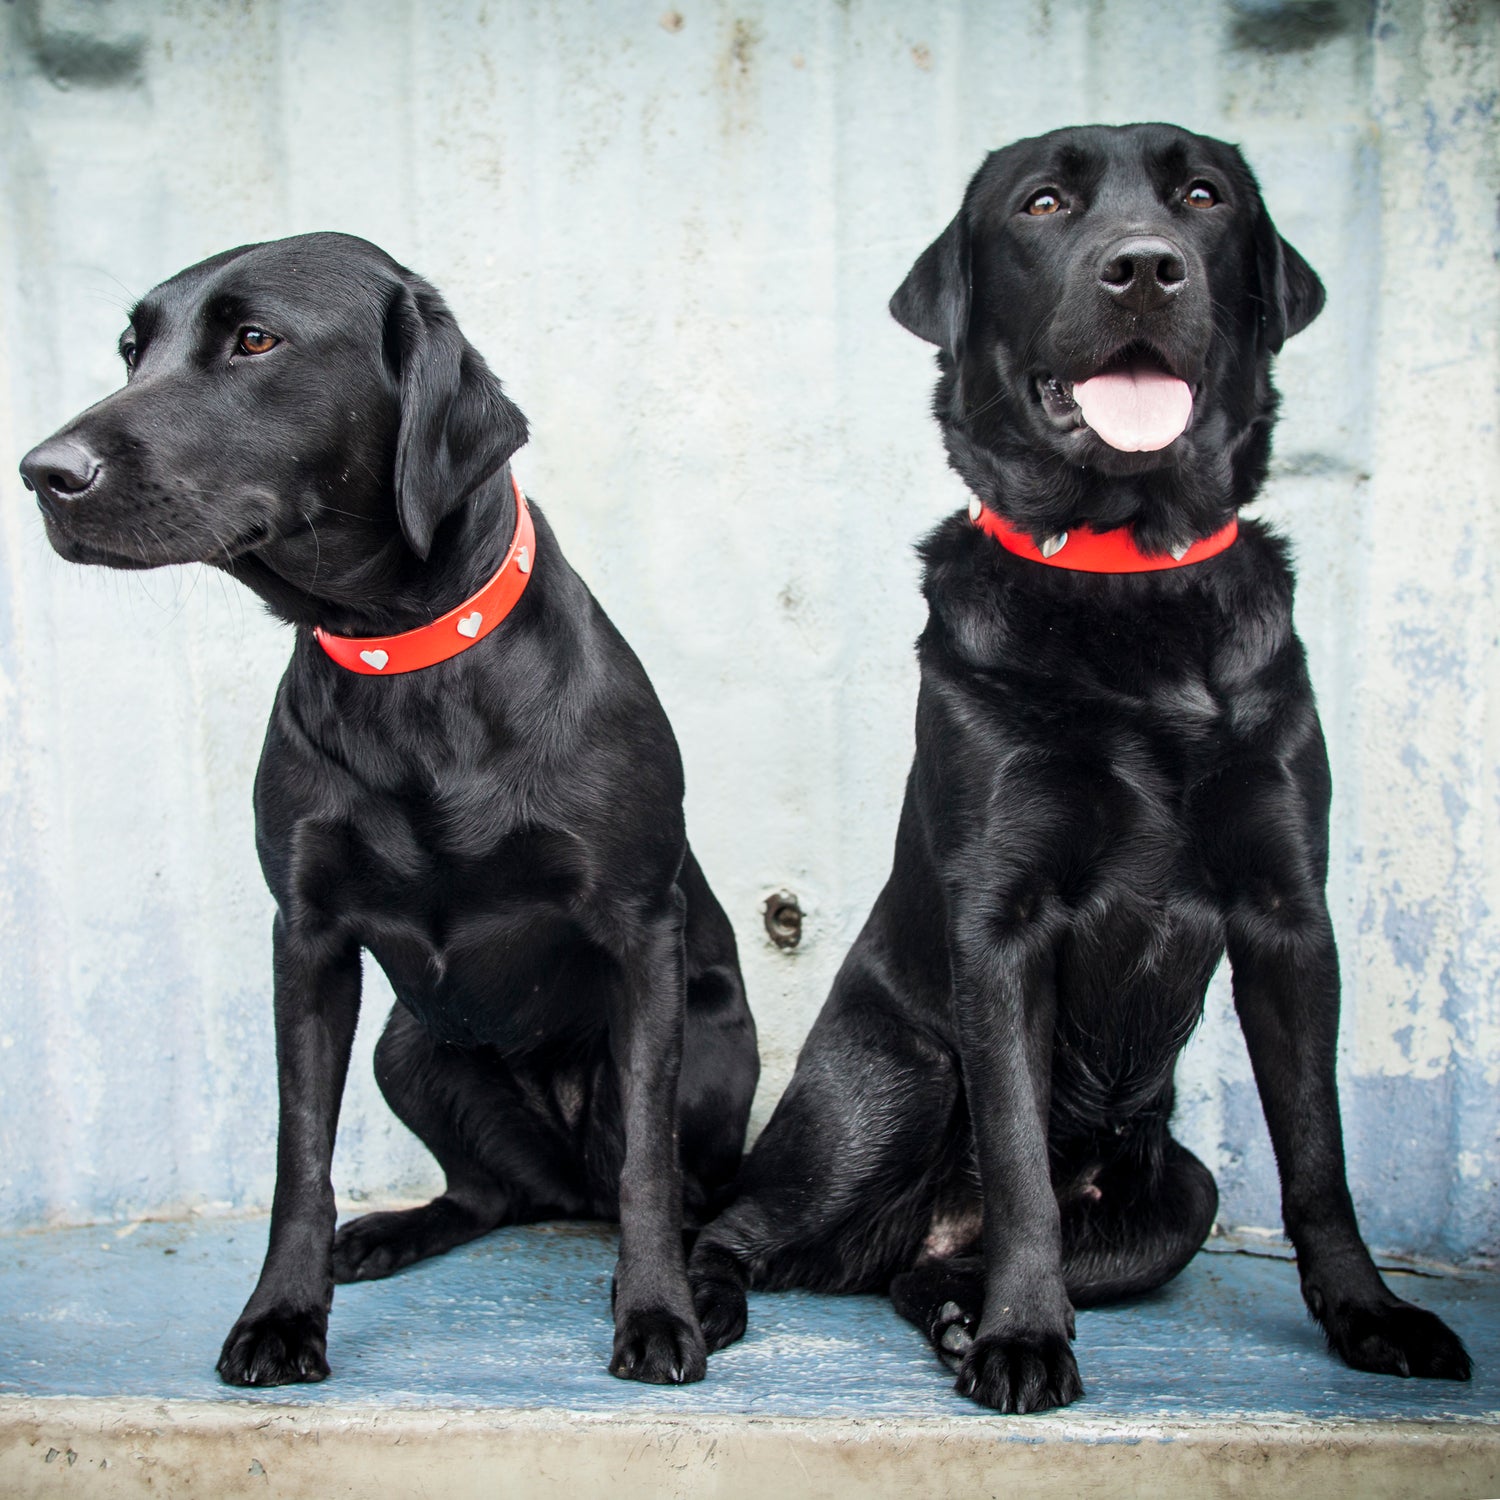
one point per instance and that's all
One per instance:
(317, 546)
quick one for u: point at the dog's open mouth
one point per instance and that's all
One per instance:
(1134, 403)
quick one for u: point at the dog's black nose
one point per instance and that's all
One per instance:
(60, 470)
(1143, 272)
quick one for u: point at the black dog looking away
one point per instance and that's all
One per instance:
(1119, 776)
(502, 830)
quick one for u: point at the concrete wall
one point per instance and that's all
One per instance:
(674, 237)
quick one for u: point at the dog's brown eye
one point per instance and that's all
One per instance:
(1044, 202)
(127, 353)
(1200, 195)
(256, 341)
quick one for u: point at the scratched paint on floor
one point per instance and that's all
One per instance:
(520, 1320)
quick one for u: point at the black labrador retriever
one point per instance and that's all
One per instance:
(1119, 776)
(466, 772)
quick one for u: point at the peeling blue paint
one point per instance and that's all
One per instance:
(1455, 804)
(1409, 930)
(1431, 658)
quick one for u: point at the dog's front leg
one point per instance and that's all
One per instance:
(657, 1337)
(281, 1336)
(1004, 998)
(1286, 991)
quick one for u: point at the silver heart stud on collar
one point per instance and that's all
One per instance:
(470, 624)
(1178, 553)
(523, 559)
(376, 659)
(1054, 544)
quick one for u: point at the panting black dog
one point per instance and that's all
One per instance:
(466, 772)
(1119, 775)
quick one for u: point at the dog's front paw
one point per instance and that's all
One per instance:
(1018, 1374)
(659, 1347)
(1395, 1338)
(276, 1348)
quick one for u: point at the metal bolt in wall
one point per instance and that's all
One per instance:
(783, 919)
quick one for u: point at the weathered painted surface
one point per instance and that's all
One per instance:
(675, 242)
(520, 1320)
(140, 1450)
(1219, 1381)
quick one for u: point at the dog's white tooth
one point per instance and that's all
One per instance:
(975, 508)
(1054, 544)
(1181, 552)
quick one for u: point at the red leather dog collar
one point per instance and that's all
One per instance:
(385, 655)
(1085, 551)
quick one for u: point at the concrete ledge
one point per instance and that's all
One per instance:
(483, 1374)
(142, 1448)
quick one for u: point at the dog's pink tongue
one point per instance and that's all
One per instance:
(1138, 409)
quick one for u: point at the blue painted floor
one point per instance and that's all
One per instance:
(521, 1320)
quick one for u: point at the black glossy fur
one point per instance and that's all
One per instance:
(502, 831)
(1117, 779)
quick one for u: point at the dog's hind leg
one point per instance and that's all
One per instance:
(839, 1189)
(505, 1160)
(720, 1064)
(1135, 1223)
(1126, 1228)
(944, 1298)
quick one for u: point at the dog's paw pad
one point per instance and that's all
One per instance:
(658, 1347)
(1020, 1374)
(952, 1333)
(956, 1338)
(1397, 1339)
(276, 1348)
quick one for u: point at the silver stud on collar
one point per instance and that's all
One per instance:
(1178, 553)
(975, 508)
(1054, 544)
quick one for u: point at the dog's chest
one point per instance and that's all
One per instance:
(480, 942)
(1130, 985)
(1137, 881)
(1146, 927)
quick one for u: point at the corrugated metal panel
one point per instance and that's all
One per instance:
(675, 242)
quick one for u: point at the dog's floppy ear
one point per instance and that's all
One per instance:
(935, 300)
(457, 425)
(1290, 292)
